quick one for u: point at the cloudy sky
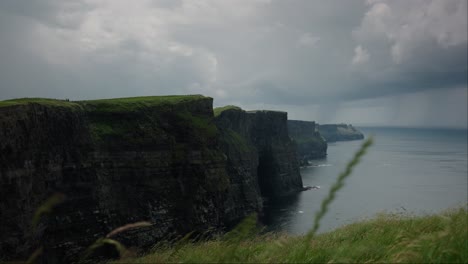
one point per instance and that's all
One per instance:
(371, 62)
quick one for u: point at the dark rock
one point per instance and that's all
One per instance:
(165, 160)
(158, 163)
(266, 133)
(310, 144)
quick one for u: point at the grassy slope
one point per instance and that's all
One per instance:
(218, 110)
(388, 238)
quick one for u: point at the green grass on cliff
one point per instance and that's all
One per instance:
(110, 105)
(218, 110)
(138, 120)
(440, 238)
(235, 140)
(134, 103)
(41, 101)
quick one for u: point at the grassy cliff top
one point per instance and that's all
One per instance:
(41, 101)
(133, 103)
(115, 104)
(218, 110)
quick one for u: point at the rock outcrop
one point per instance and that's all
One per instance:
(339, 132)
(310, 144)
(266, 134)
(165, 160)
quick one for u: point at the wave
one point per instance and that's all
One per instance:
(320, 165)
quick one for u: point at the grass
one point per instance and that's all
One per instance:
(134, 103)
(440, 238)
(108, 105)
(139, 119)
(235, 140)
(218, 110)
(41, 101)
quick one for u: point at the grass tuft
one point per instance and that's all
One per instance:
(47, 207)
(338, 185)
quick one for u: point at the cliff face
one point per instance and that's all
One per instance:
(117, 163)
(265, 134)
(339, 132)
(244, 195)
(310, 144)
(165, 160)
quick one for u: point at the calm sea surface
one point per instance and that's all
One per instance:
(412, 171)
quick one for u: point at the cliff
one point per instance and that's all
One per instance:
(310, 144)
(339, 132)
(262, 138)
(119, 161)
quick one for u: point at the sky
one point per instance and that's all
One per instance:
(365, 62)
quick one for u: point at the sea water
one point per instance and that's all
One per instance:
(407, 171)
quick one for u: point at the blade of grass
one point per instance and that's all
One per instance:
(47, 207)
(337, 186)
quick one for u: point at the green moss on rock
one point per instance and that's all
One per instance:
(234, 139)
(218, 110)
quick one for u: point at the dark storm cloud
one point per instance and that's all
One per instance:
(272, 53)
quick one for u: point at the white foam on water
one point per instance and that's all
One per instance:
(320, 165)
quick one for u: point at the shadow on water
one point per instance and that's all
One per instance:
(279, 211)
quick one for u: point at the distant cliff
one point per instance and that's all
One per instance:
(310, 144)
(165, 160)
(265, 134)
(339, 132)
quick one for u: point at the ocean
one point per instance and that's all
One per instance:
(407, 171)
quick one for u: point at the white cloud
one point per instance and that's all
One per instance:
(409, 25)
(361, 56)
(280, 54)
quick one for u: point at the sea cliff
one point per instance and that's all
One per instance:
(166, 160)
(266, 134)
(310, 143)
